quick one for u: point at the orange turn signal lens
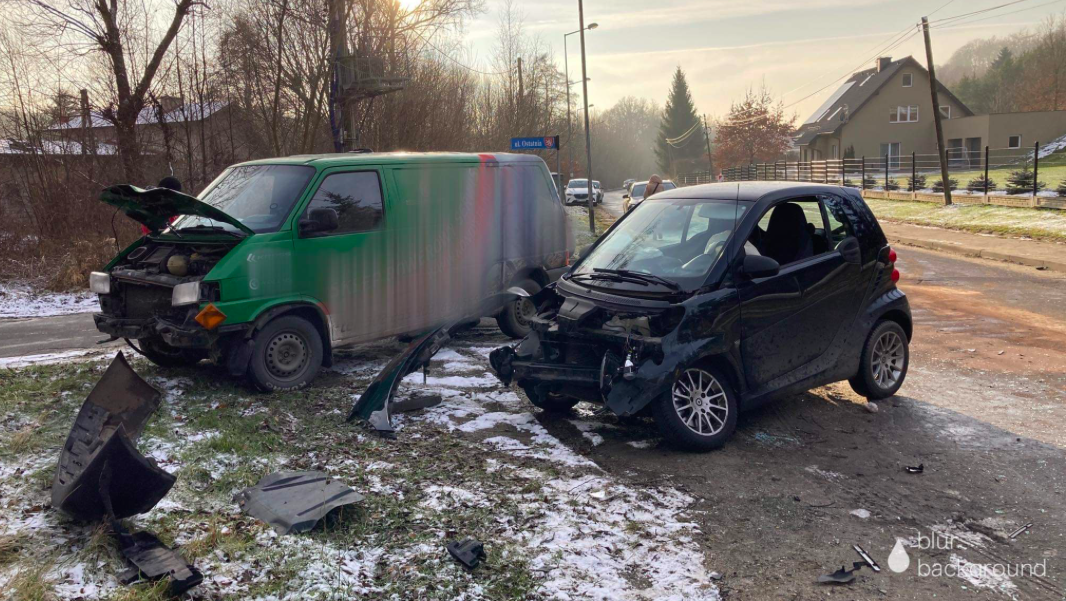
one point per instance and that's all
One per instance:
(210, 317)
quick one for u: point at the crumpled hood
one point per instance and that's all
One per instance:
(156, 206)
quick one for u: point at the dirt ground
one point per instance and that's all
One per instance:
(983, 411)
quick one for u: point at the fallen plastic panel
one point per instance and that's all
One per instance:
(468, 552)
(103, 438)
(375, 405)
(417, 403)
(153, 560)
(295, 501)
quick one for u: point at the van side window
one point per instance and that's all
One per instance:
(356, 196)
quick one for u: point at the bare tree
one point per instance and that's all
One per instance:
(106, 27)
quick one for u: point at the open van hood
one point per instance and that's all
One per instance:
(155, 207)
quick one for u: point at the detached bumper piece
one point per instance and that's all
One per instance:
(468, 552)
(103, 438)
(102, 476)
(295, 501)
(153, 560)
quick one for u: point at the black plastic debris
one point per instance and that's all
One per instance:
(376, 405)
(295, 501)
(153, 560)
(417, 403)
(104, 435)
(841, 576)
(1019, 531)
(915, 470)
(869, 561)
(468, 552)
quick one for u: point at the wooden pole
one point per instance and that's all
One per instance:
(941, 151)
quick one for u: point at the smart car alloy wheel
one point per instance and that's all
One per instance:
(887, 359)
(700, 402)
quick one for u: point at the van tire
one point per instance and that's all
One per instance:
(887, 345)
(286, 355)
(514, 319)
(672, 425)
(164, 355)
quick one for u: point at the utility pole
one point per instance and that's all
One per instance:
(588, 134)
(337, 47)
(569, 119)
(707, 136)
(941, 151)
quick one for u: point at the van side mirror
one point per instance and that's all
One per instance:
(320, 221)
(758, 266)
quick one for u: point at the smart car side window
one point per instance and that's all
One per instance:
(355, 196)
(839, 226)
(791, 231)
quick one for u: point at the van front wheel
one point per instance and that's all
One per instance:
(515, 319)
(287, 355)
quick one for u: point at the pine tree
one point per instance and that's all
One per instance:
(915, 184)
(938, 185)
(1021, 182)
(977, 184)
(682, 125)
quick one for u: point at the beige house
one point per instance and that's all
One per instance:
(886, 111)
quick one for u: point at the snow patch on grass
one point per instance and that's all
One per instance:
(21, 301)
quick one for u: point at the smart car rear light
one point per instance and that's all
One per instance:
(892, 256)
(895, 276)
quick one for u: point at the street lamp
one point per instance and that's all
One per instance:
(569, 122)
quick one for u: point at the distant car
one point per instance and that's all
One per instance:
(577, 191)
(626, 184)
(714, 299)
(599, 192)
(635, 194)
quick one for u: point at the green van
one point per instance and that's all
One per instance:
(280, 261)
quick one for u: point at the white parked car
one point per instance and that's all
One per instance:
(636, 193)
(577, 191)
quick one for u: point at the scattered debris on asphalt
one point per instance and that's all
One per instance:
(153, 560)
(468, 552)
(915, 470)
(862, 514)
(841, 576)
(866, 558)
(1019, 531)
(871, 407)
(294, 502)
(103, 438)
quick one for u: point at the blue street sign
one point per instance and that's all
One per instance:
(545, 143)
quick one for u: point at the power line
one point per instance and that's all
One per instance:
(942, 7)
(875, 50)
(977, 12)
(968, 21)
(456, 62)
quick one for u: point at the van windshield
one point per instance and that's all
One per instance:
(259, 196)
(675, 241)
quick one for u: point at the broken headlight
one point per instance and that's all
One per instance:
(100, 282)
(185, 294)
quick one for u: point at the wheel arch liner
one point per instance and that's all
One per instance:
(295, 501)
(99, 464)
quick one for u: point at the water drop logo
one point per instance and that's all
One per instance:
(898, 560)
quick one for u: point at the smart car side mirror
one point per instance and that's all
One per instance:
(758, 266)
(851, 250)
(320, 221)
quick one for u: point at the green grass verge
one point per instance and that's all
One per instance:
(1039, 224)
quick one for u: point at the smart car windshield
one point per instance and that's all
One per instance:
(259, 196)
(675, 241)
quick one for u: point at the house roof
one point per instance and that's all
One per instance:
(193, 111)
(852, 95)
(64, 147)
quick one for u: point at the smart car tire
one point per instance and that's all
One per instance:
(884, 361)
(164, 355)
(514, 319)
(700, 411)
(287, 354)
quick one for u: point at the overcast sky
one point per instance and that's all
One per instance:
(725, 46)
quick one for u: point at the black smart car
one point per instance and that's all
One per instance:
(710, 300)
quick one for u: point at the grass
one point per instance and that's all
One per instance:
(1038, 224)
(579, 224)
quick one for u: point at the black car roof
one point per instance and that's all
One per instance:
(746, 191)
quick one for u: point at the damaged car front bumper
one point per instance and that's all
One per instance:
(172, 332)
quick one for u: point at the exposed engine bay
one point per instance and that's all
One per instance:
(581, 350)
(180, 260)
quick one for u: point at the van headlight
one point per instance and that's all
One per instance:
(186, 294)
(100, 282)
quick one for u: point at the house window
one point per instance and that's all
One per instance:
(903, 114)
(908, 80)
(834, 153)
(1014, 141)
(892, 151)
(945, 112)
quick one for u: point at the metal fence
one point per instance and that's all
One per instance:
(987, 172)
